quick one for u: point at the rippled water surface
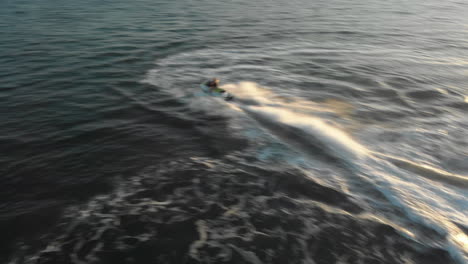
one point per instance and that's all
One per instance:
(346, 141)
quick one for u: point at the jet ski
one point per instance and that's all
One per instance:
(217, 92)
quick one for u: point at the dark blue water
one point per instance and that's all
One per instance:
(346, 141)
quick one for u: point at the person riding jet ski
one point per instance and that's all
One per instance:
(213, 84)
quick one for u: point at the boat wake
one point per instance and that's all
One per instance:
(404, 184)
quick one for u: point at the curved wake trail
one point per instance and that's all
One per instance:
(389, 185)
(311, 135)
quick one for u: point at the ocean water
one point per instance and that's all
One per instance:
(346, 142)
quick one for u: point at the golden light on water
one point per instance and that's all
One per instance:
(462, 240)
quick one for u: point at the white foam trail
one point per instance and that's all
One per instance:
(291, 112)
(428, 171)
(302, 124)
(381, 171)
(250, 90)
(336, 142)
(251, 93)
